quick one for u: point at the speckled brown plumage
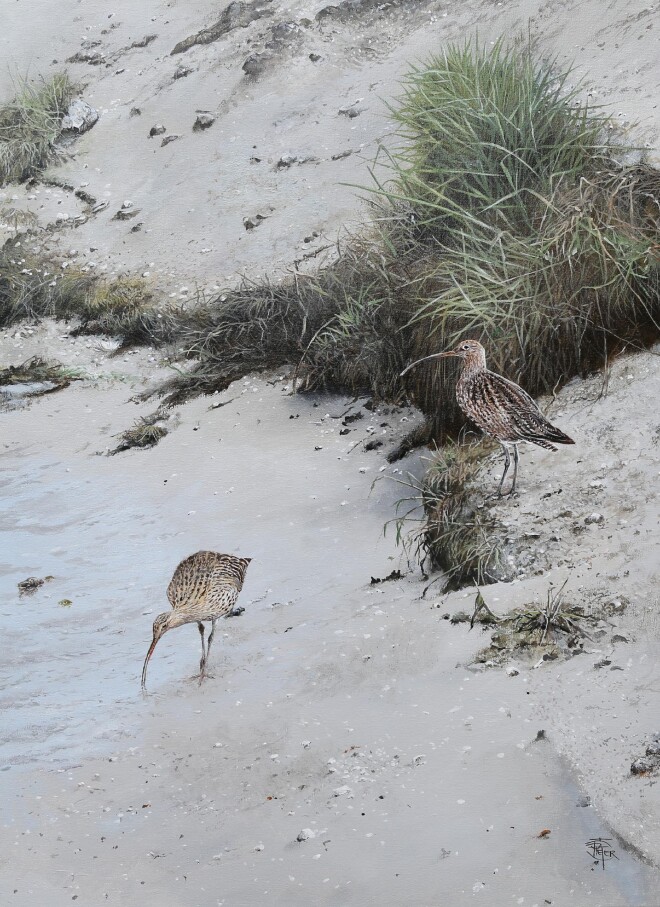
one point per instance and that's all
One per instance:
(499, 407)
(205, 586)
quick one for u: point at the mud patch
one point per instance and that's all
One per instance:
(236, 15)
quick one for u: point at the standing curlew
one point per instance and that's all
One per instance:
(205, 586)
(499, 407)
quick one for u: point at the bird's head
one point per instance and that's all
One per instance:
(468, 350)
(162, 624)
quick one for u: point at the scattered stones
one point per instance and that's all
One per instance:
(168, 139)
(158, 129)
(79, 117)
(340, 155)
(315, 58)
(512, 671)
(135, 112)
(594, 518)
(203, 121)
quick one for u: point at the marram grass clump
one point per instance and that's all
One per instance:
(29, 125)
(520, 228)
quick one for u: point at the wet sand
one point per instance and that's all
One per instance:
(338, 707)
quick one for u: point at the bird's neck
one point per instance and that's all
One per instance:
(474, 362)
(178, 618)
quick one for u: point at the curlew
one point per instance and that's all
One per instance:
(498, 407)
(205, 586)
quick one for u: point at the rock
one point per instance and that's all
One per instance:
(203, 121)
(251, 222)
(168, 139)
(158, 129)
(340, 155)
(315, 57)
(351, 111)
(653, 749)
(126, 213)
(182, 71)
(583, 801)
(79, 117)
(642, 766)
(594, 518)
(236, 15)
(86, 56)
(512, 671)
(135, 112)
(305, 835)
(344, 791)
(144, 42)
(255, 64)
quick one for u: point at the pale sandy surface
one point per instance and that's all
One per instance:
(352, 706)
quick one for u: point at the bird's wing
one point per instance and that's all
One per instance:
(505, 410)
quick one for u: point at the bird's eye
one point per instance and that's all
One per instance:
(465, 346)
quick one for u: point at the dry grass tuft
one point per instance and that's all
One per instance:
(29, 126)
(146, 432)
(454, 531)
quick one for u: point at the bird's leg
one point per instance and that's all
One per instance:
(516, 457)
(204, 651)
(202, 673)
(507, 463)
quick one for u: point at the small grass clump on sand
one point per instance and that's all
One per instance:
(456, 533)
(146, 432)
(29, 126)
(554, 629)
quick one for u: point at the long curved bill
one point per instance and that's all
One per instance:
(146, 662)
(426, 358)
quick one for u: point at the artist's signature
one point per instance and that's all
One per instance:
(601, 851)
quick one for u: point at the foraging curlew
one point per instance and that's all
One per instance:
(499, 407)
(205, 586)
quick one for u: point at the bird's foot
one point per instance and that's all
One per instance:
(203, 675)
